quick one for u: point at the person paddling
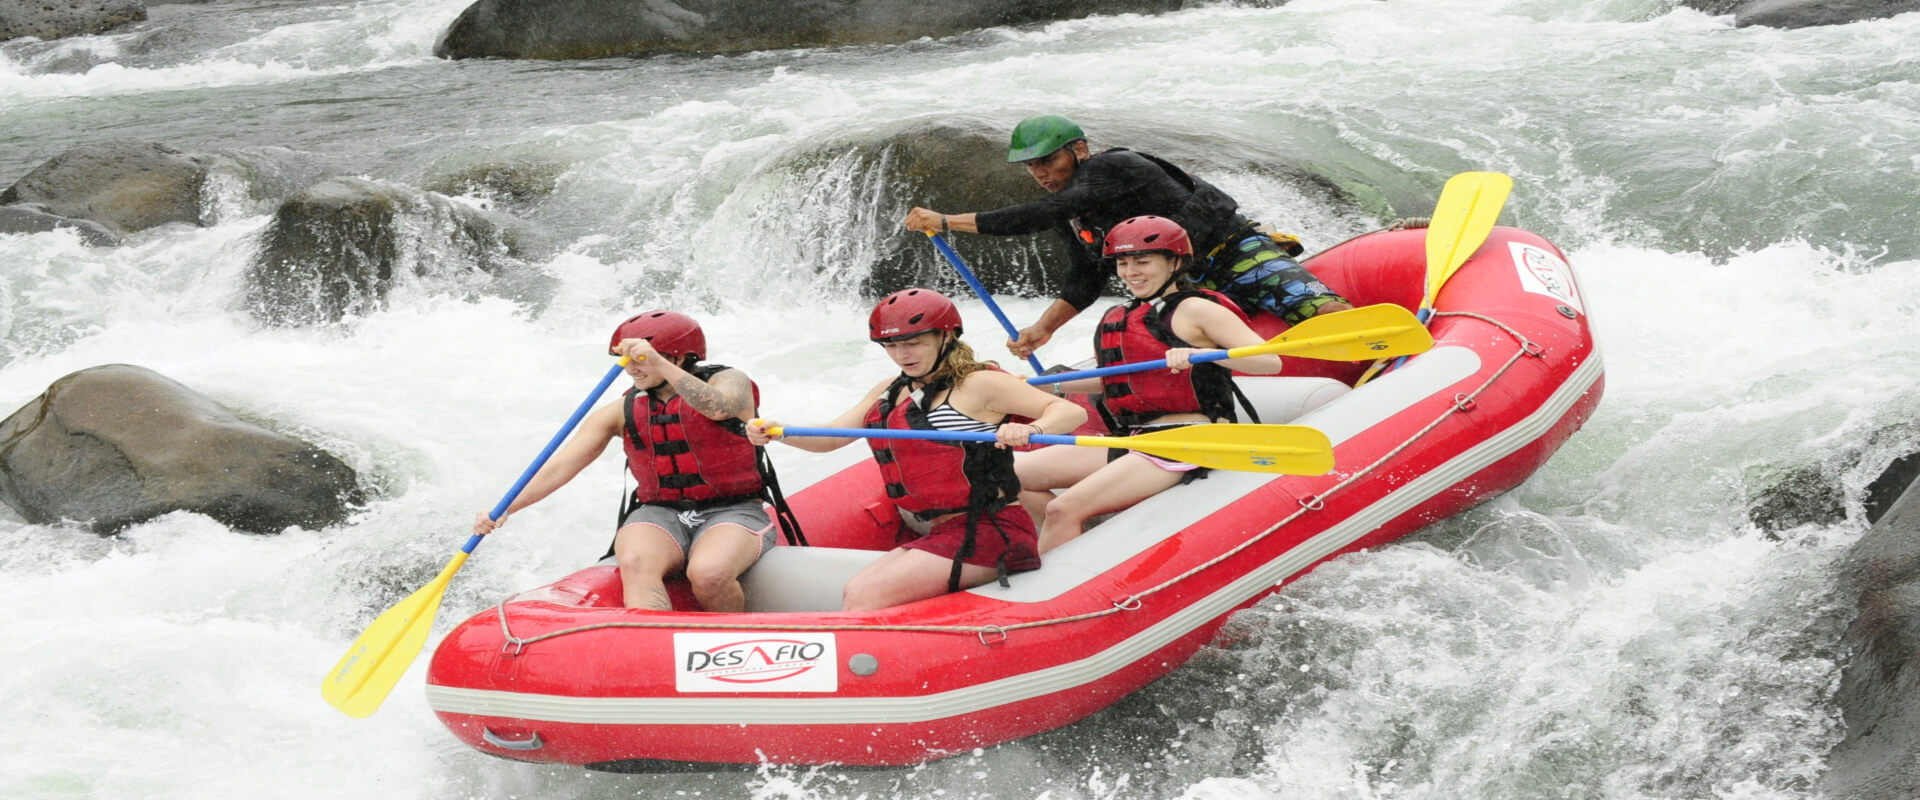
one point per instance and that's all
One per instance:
(697, 507)
(1164, 320)
(959, 497)
(1089, 193)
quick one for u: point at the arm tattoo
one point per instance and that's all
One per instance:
(727, 395)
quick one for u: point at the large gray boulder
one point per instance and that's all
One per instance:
(1808, 13)
(1880, 686)
(125, 185)
(115, 445)
(572, 29)
(340, 247)
(54, 19)
(114, 188)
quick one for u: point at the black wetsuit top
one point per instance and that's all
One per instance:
(1105, 190)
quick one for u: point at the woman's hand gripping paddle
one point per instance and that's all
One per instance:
(367, 673)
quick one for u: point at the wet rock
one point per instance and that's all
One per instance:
(952, 165)
(1809, 13)
(570, 29)
(1714, 7)
(125, 185)
(1879, 693)
(340, 248)
(1814, 494)
(35, 218)
(116, 445)
(516, 184)
(1805, 495)
(54, 19)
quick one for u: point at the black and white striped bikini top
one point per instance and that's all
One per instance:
(945, 417)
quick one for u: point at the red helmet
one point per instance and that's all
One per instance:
(672, 333)
(910, 312)
(1148, 234)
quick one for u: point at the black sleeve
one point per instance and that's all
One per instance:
(1098, 181)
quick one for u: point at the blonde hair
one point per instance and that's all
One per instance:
(959, 363)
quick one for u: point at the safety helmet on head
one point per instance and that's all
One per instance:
(673, 334)
(910, 312)
(1148, 234)
(1040, 136)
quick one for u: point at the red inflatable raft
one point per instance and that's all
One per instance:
(564, 674)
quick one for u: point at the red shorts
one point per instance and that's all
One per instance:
(1021, 542)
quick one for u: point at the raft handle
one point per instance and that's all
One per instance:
(532, 742)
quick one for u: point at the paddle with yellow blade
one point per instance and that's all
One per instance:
(367, 673)
(1377, 331)
(1469, 205)
(1285, 449)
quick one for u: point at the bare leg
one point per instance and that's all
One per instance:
(903, 576)
(1126, 481)
(714, 567)
(646, 554)
(1042, 471)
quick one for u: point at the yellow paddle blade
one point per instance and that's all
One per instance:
(1376, 331)
(1469, 205)
(1285, 449)
(367, 673)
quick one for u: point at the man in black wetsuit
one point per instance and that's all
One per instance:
(1089, 193)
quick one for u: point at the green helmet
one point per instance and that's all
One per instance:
(1039, 136)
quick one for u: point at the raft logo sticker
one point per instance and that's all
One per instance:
(746, 662)
(1542, 272)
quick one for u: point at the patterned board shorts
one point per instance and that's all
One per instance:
(1258, 274)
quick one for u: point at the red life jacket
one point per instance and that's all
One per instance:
(1143, 331)
(680, 456)
(932, 478)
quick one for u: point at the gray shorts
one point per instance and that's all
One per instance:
(686, 527)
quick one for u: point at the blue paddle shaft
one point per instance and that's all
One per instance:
(541, 461)
(937, 436)
(1122, 369)
(961, 267)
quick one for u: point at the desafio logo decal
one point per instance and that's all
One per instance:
(732, 662)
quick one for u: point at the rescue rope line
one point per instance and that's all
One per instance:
(998, 633)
